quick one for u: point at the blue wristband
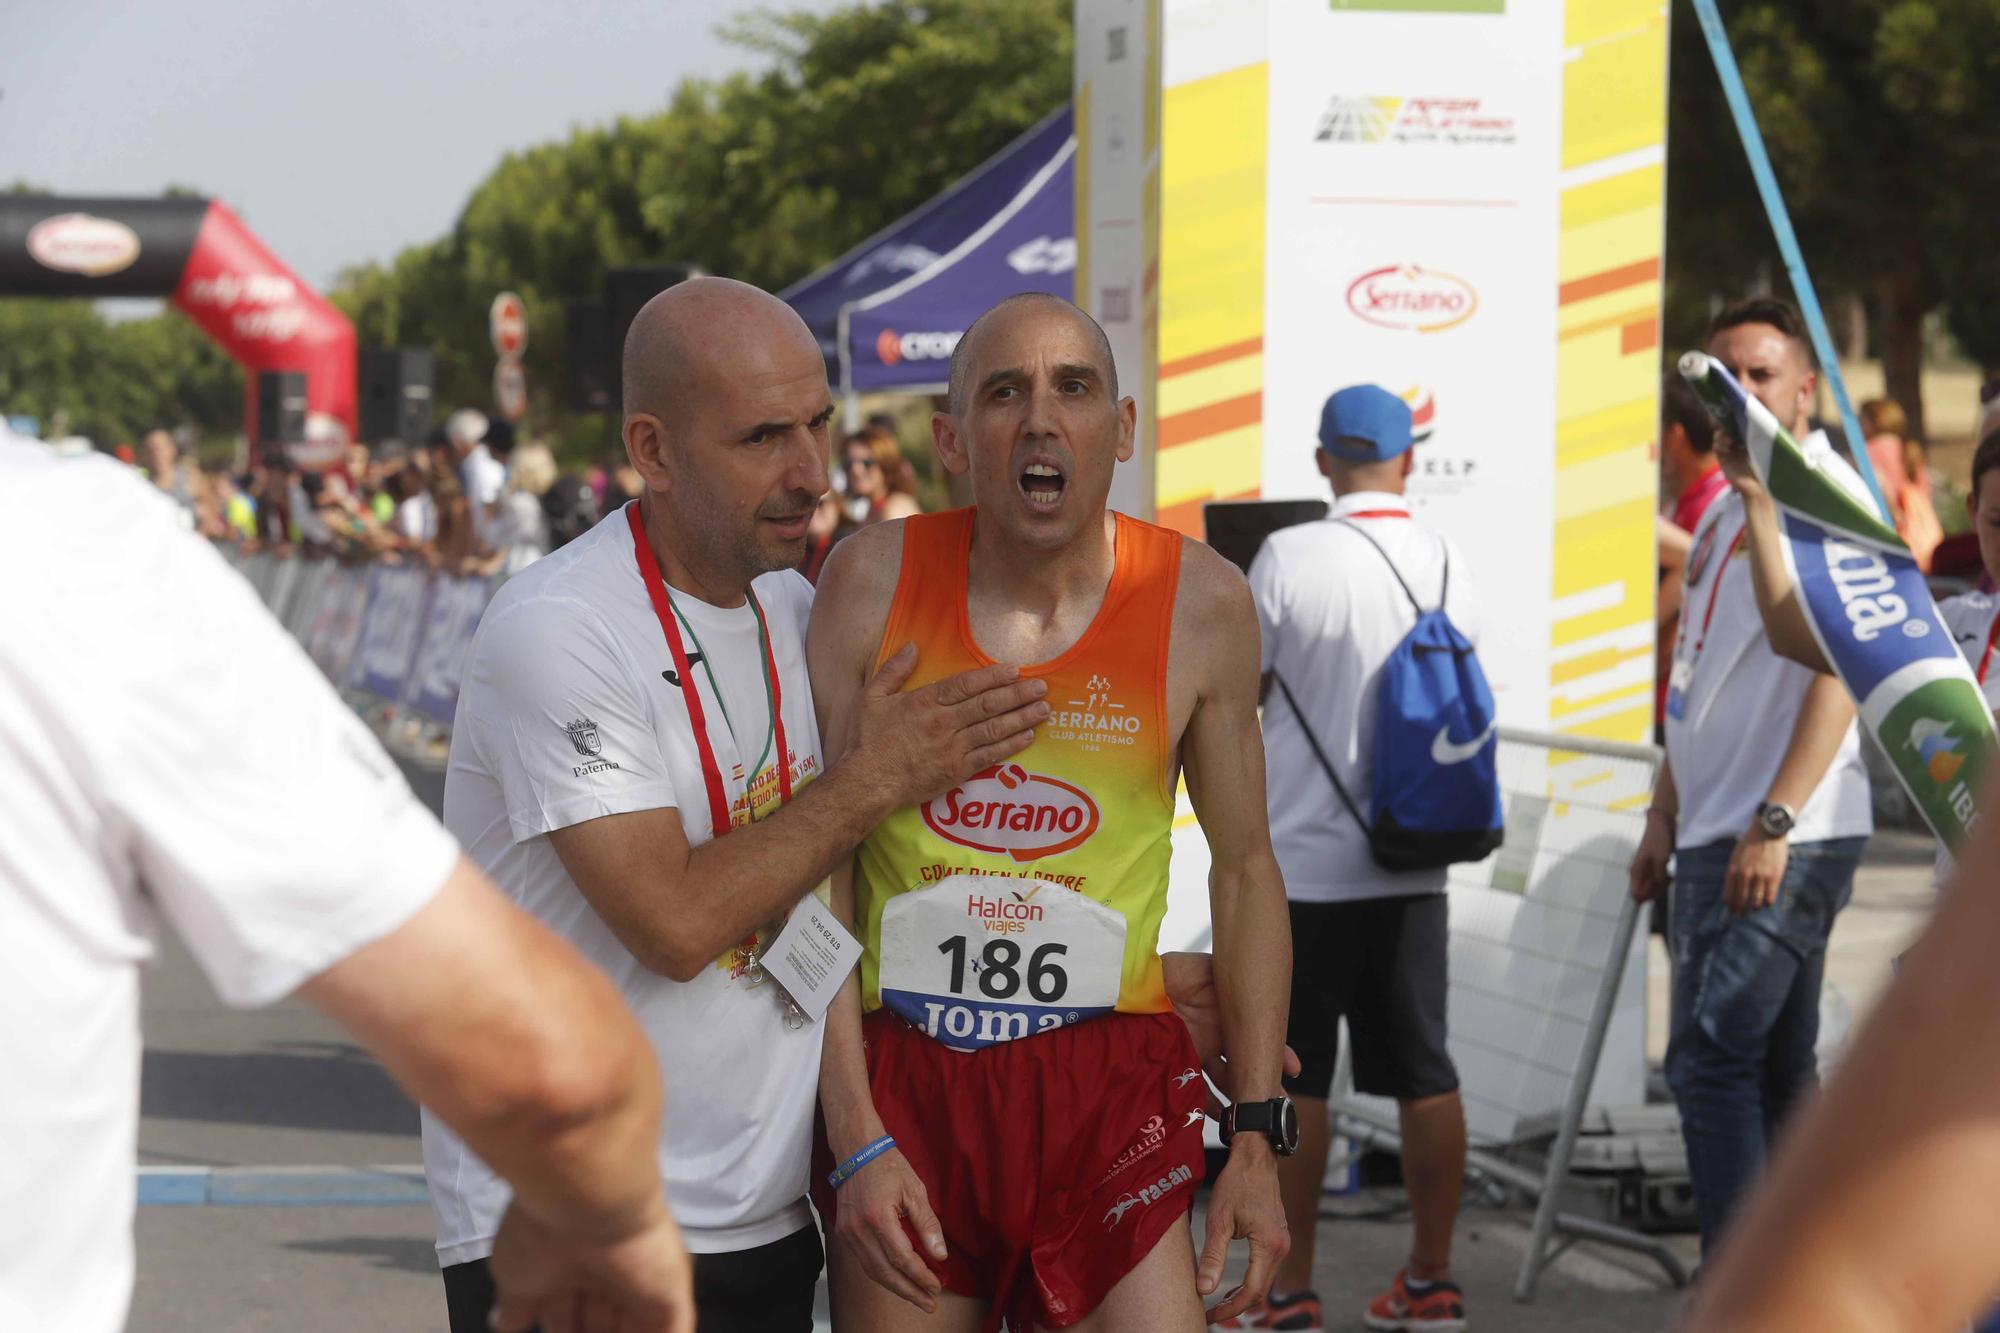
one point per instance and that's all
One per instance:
(846, 1169)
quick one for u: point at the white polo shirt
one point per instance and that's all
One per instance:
(484, 480)
(1331, 613)
(166, 749)
(1732, 701)
(568, 713)
(1974, 621)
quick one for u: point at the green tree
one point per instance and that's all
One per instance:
(1876, 114)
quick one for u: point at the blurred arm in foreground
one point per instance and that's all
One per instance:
(1872, 1218)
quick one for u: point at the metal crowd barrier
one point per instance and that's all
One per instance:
(392, 638)
(1547, 965)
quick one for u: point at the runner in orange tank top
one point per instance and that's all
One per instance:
(1020, 1046)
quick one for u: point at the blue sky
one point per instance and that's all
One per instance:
(342, 130)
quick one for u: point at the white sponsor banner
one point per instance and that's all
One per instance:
(1412, 227)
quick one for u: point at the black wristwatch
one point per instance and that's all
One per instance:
(1277, 1120)
(1776, 818)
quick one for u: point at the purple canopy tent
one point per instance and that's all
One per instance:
(889, 311)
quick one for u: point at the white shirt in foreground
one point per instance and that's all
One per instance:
(1738, 700)
(1331, 614)
(566, 715)
(165, 748)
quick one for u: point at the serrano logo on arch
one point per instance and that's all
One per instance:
(1008, 810)
(1408, 296)
(83, 243)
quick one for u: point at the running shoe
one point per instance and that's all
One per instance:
(1433, 1307)
(1296, 1313)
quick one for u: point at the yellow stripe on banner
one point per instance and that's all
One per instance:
(1612, 311)
(1576, 668)
(1589, 538)
(1610, 242)
(1608, 430)
(1586, 22)
(1624, 725)
(1211, 385)
(1212, 199)
(1604, 483)
(1224, 464)
(1627, 192)
(1615, 95)
(1561, 708)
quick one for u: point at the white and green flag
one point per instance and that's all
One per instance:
(1871, 611)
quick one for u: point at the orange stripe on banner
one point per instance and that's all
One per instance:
(1215, 356)
(1201, 422)
(1582, 289)
(1186, 517)
(1639, 336)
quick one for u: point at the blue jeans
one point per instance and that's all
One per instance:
(1746, 1011)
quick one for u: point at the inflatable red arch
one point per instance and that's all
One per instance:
(199, 254)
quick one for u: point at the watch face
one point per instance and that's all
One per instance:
(1288, 1127)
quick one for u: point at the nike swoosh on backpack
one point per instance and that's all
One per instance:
(1445, 751)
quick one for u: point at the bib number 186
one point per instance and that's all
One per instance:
(998, 969)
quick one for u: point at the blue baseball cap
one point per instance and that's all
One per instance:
(1364, 423)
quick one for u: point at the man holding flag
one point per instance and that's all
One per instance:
(1763, 804)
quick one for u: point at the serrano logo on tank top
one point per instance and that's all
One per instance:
(1008, 809)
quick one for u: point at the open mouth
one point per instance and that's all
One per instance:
(1043, 484)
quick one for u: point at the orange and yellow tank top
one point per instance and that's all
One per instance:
(1030, 896)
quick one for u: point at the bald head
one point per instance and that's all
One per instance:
(1024, 305)
(705, 327)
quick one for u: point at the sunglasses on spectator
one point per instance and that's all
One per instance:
(863, 462)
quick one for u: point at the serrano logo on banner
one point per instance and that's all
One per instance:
(1407, 296)
(894, 348)
(1008, 809)
(83, 243)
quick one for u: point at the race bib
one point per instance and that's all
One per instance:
(979, 959)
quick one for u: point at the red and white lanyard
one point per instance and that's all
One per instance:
(1721, 567)
(711, 772)
(1986, 658)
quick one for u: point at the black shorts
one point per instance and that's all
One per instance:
(766, 1290)
(1380, 963)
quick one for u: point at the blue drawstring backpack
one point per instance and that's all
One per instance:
(1434, 791)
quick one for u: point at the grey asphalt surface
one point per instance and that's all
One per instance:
(282, 1087)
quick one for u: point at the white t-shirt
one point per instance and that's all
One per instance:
(567, 714)
(1331, 614)
(1732, 701)
(484, 478)
(417, 518)
(165, 748)
(521, 530)
(1974, 621)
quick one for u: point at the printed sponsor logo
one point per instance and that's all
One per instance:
(1000, 909)
(1409, 296)
(584, 736)
(1446, 752)
(1413, 120)
(1152, 1136)
(1044, 254)
(1007, 809)
(1938, 748)
(1423, 413)
(83, 243)
(1866, 587)
(933, 345)
(892, 258)
(1147, 1196)
(1185, 1077)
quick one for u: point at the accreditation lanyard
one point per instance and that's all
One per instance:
(1715, 589)
(1986, 658)
(711, 772)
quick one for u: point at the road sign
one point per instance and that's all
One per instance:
(508, 323)
(510, 390)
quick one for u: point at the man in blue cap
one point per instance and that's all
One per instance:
(1367, 943)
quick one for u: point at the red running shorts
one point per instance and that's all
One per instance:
(1055, 1163)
